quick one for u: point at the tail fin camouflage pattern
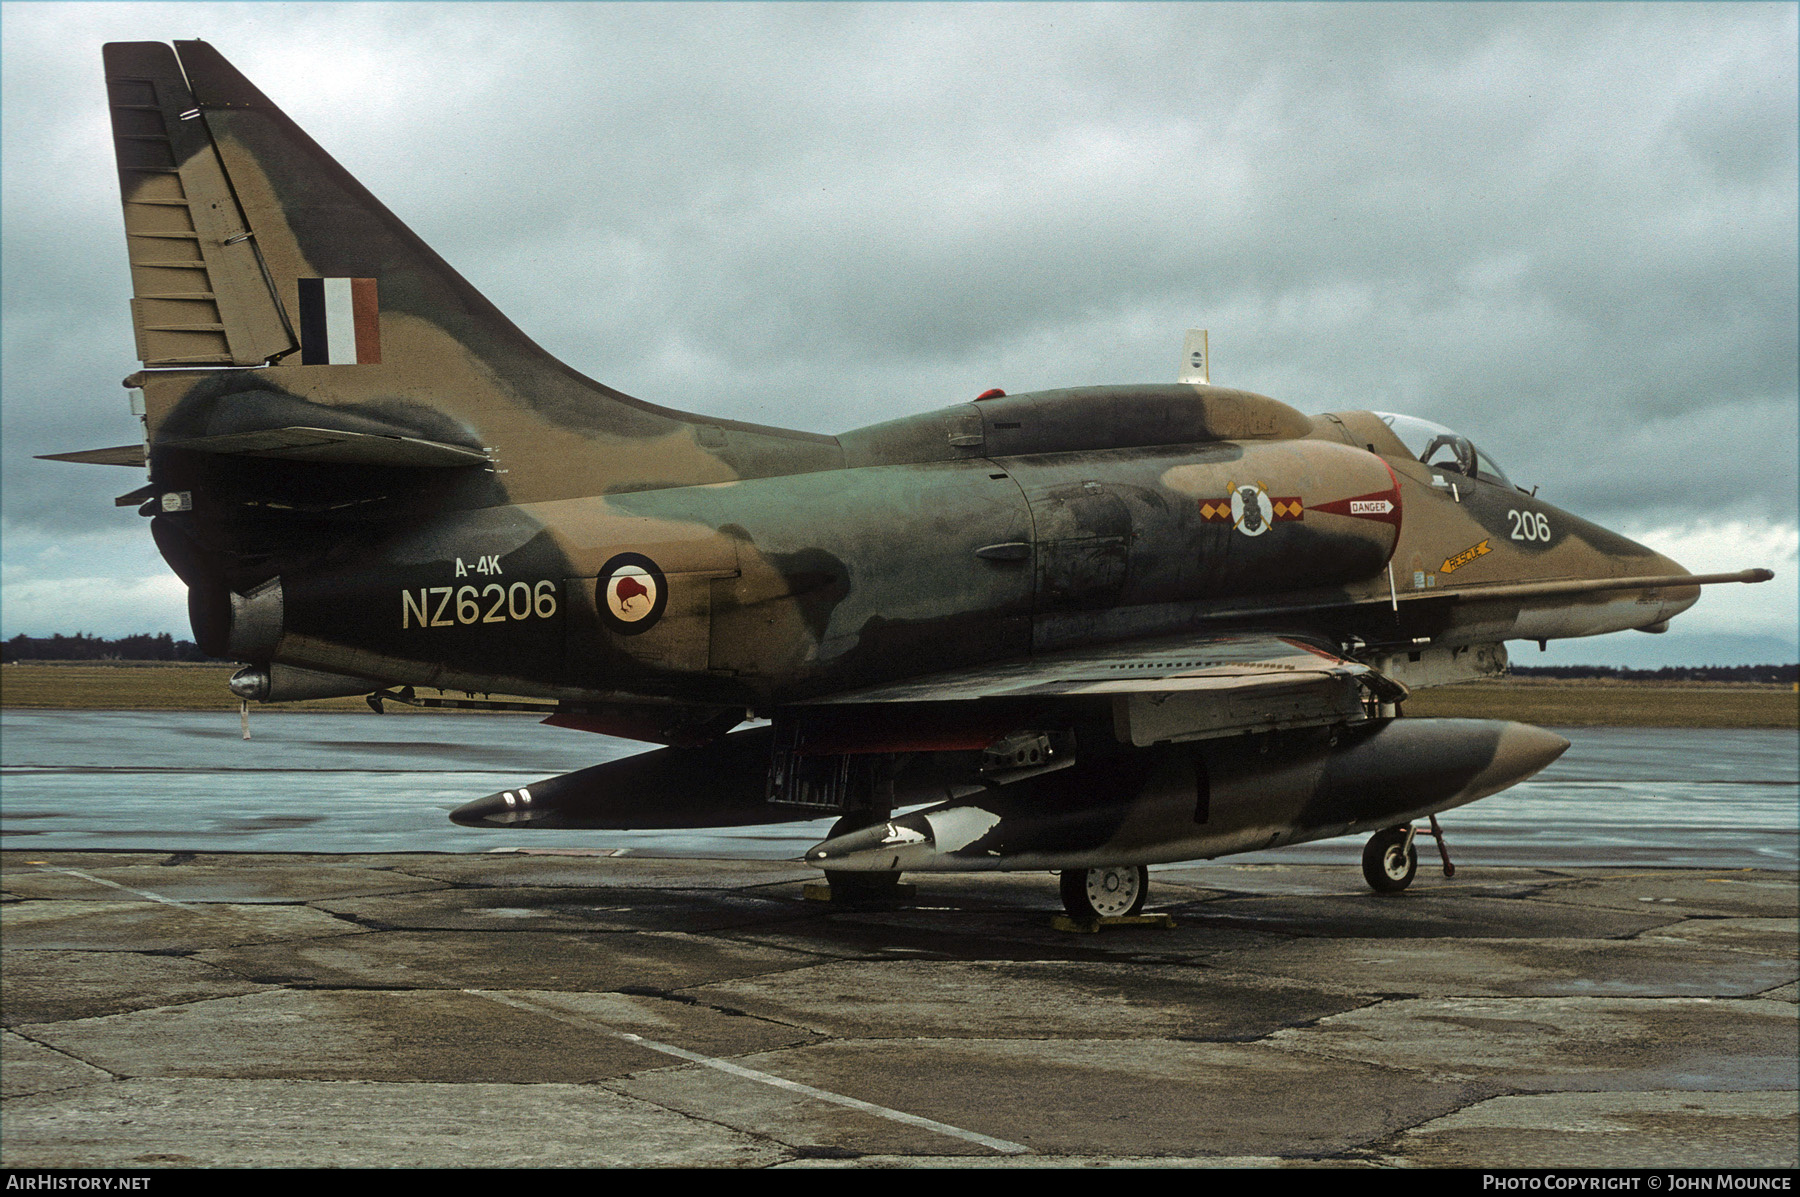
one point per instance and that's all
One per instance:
(251, 246)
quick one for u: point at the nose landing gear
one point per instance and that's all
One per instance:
(1390, 858)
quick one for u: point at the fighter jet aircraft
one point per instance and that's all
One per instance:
(1084, 630)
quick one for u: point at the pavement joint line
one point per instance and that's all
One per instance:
(142, 893)
(956, 1132)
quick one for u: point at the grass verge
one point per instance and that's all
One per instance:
(153, 686)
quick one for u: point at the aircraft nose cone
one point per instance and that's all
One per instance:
(1668, 565)
(1675, 599)
(1521, 751)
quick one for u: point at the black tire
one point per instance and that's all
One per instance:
(1389, 861)
(880, 888)
(862, 887)
(1115, 892)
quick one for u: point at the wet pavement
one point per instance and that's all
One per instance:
(311, 782)
(518, 1009)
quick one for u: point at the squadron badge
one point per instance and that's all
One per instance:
(631, 593)
(1251, 509)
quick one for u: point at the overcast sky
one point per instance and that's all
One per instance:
(1568, 231)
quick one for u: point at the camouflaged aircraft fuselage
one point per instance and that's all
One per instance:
(978, 533)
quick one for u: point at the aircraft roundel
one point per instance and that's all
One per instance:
(631, 593)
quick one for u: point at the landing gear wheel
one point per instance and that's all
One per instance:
(1390, 860)
(862, 887)
(1109, 893)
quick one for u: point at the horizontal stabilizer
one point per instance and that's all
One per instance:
(122, 455)
(297, 444)
(330, 445)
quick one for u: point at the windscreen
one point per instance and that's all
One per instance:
(1443, 449)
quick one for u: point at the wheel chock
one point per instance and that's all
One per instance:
(1063, 922)
(820, 891)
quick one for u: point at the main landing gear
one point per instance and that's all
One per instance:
(1116, 892)
(1390, 858)
(876, 889)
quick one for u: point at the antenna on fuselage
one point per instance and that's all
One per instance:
(1196, 365)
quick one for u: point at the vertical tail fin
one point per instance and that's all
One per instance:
(251, 246)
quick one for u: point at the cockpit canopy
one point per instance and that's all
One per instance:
(1442, 449)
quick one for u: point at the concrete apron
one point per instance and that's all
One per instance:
(561, 1010)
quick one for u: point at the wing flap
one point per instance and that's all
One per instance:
(1251, 704)
(1161, 666)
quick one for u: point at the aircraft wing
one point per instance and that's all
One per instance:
(1177, 688)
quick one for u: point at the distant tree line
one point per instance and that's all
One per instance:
(82, 647)
(1785, 674)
